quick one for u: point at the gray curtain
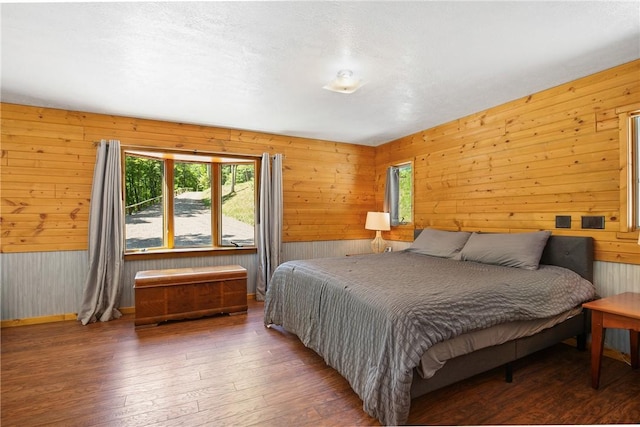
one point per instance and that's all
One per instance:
(270, 222)
(102, 287)
(392, 194)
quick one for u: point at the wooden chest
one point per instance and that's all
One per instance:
(185, 293)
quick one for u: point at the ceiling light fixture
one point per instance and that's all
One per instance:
(344, 82)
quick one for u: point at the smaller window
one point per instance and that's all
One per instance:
(405, 180)
(629, 138)
(398, 199)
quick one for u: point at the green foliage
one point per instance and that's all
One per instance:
(404, 208)
(143, 180)
(243, 173)
(191, 176)
(238, 201)
(241, 203)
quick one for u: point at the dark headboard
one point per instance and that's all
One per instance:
(572, 252)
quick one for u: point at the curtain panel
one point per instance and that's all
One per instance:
(103, 284)
(392, 194)
(270, 222)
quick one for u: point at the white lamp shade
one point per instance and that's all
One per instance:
(378, 221)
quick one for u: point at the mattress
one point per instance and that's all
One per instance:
(437, 355)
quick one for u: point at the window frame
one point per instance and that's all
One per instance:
(216, 160)
(401, 166)
(629, 170)
(398, 165)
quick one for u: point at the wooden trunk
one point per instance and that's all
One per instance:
(186, 293)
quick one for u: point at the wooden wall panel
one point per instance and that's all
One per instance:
(515, 167)
(509, 168)
(48, 158)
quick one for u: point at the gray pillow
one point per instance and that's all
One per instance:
(440, 243)
(521, 250)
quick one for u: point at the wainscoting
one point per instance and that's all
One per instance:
(42, 283)
(610, 279)
(50, 284)
(38, 284)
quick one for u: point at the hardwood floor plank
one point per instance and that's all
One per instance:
(152, 414)
(201, 418)
(231, 370)
(183, 393)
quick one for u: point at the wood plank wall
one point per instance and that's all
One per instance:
(509, 168)
(514, 167)
(48, 155)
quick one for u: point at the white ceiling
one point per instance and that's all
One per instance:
(261, 65)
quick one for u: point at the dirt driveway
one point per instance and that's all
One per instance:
(192, 225)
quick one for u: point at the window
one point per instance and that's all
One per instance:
(399, 194)
(179, 201)
(192, 204)
(629, 138)
(405, 210)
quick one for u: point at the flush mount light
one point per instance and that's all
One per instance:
(344, 82)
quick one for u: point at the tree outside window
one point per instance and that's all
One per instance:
(405, 194)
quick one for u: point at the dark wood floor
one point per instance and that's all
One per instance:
(231, 370)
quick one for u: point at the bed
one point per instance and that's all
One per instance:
(401, 324)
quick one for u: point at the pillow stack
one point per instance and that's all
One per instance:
(521, 250)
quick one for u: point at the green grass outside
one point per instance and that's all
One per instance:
(240, 205)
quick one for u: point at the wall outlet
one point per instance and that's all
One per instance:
(593, 222)
(563, 221)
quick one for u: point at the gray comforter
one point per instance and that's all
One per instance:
(372, 317)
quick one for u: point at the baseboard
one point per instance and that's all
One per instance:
(37, 320)
(127, 310)
(53, 318)
(62, 317)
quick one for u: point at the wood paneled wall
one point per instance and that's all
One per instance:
(48, 155)
(514, 167)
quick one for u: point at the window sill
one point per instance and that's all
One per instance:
(403, 225)
(627, 235)
(188, 253)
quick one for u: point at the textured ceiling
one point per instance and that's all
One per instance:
(261, 65)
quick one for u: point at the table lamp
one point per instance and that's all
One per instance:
(378, 221)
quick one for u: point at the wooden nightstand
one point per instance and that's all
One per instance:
(619, 311)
